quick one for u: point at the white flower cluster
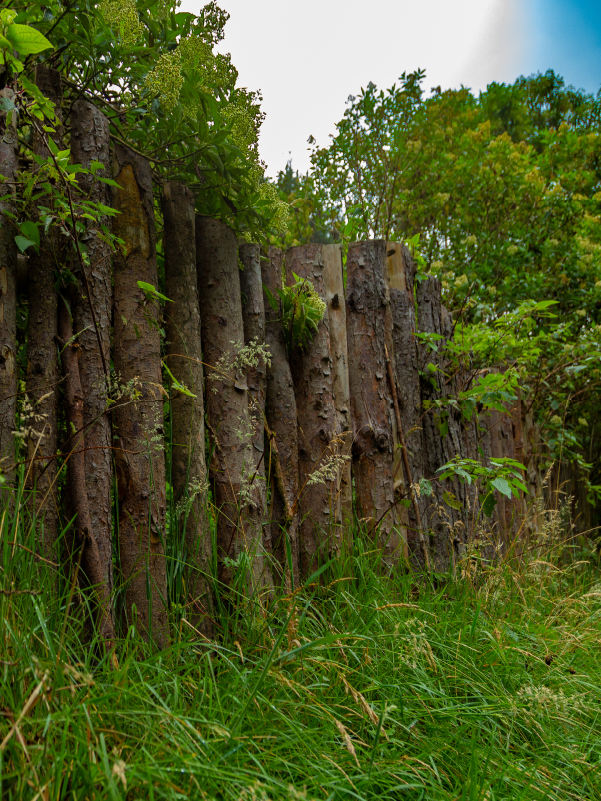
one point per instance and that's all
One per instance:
(122, 16)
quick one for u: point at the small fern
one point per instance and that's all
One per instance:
(302, 311)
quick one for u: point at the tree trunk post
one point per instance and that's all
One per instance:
(92, 561)
(280, 413)
(333, 279)
(92, 308)
(9, 152)
(369, 325)
(253, 318)
(42, 365)
(443, 436)
(232, 464)
(184, 360)
(400, 277)
(317, 421)
(138, 415)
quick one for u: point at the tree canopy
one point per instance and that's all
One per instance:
(499, 194)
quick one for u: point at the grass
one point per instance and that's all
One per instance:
(359, 687)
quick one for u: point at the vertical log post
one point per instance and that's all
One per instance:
(317, 420)
(92, 562)
(400, 277)
(9, 151)
(507, 441)
(184, 360)
(443, 435)
(280, 413)
(42, 365)
(92, 308)
(253, 318)
(367, 319)
(140, 462)
(333, 279)
(232, 463)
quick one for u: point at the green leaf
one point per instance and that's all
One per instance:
(176, 384)
(425, 487)
(151, 291)
(30, 231)
(502, 485)
(488, 504)
(6, 104)
(26, 39)
(23, 243)
(451, 500)
(270, 298)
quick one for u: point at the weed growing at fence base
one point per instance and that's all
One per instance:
(376, 688)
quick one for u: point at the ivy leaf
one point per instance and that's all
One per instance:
(26, 39)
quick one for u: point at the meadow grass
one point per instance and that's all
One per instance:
(486, 686)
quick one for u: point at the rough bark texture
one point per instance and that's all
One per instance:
(184, 359)
(367, 319)
(9, 150)
(280, 412)
(507, 441)
(333, 279)
(42, 366)
(140, 462)
(317, 420)
(90, 142)
(231, 467)
(401, 275)
(253, 318)
(448, 527)
(92, 562)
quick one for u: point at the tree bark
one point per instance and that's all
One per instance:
(184, 359)
(369, 326)
(253, 318)
(443, 435)
(92, 562)
(280, 412)
(401, 275)
(42, 367)
(333, 279)
(232, 463)
(9, 152)
(507, 441)
(317, 420)
(138, 415)
(90, 142)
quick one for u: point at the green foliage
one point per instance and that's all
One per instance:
(503, 191)
(302, 310)
(154, 71)
(503, 475)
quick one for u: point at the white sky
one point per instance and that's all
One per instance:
(308, 56)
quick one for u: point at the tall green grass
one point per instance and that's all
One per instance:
(487, 686)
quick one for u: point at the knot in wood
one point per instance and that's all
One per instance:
(381, 440)
(221, 321)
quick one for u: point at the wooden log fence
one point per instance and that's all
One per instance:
(276, 465)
